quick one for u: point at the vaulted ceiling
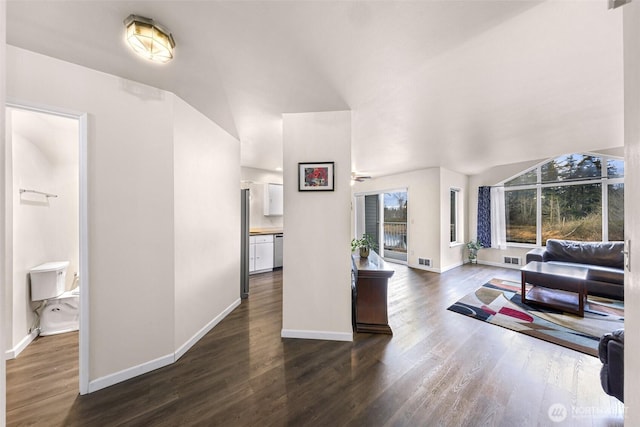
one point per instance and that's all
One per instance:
(465, 85)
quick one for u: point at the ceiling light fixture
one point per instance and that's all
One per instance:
(149, 39)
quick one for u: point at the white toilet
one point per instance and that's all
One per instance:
(61, 309)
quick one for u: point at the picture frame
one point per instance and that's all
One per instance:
(316, 176)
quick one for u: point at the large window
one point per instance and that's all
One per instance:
(520, 209)
(575, 197)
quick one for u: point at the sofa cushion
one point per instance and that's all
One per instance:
(599, 273)
(606, 254)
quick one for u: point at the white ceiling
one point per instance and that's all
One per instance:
(464, 85)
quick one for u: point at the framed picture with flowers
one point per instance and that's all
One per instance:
(315, 176)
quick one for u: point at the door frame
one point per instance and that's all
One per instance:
(83, 334)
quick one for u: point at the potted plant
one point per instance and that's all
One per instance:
(365, 244)
(474, 246)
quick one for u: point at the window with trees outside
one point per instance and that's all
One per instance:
(573, 197)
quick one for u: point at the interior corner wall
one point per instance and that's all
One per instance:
(317, 253)
(452, 256)
(423, 213)
(255, 180)
(631, 35)
(207, 223)
(130, 206)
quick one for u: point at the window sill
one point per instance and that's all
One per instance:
(522, 245)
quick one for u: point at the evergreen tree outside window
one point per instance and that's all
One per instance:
(521, 216)
(572, 197)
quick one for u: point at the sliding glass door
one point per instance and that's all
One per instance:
(395, 225)
(383, 216)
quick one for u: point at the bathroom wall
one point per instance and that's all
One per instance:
(255, 180)
(44, 153)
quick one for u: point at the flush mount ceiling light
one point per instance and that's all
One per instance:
(149, 39)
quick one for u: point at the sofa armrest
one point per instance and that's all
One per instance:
(611, 353)
(617, 336)
(535, 255)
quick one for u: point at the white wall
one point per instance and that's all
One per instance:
(423, 211)
(317, 280)
(452, 256)
(8, 291)
(44, 229)
(207, 222)
(3, 276)
(255, 180)
(631, 32)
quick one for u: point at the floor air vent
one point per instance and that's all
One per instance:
(425, 261)
(512, 260)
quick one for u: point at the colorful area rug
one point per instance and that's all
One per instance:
(498, 302)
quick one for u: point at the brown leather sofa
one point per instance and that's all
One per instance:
(604, 260)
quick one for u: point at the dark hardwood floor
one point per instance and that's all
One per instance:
(439, 368)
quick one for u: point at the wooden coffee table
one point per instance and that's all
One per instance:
(557, 286)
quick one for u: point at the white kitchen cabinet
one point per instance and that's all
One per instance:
(252, 254)
(273, 199)
(260, 253)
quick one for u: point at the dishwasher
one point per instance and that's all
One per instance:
(277, 250)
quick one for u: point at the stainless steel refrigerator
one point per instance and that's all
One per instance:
(244, 245)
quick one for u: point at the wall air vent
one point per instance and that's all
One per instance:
(425, 261)
(512, 260)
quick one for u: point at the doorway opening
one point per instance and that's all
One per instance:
(46, 221)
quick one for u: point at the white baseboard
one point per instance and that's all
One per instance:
(422, 267)
(160, 362)
(451, 267)
(202, 332)
(134, 371)
(500, 264)
(24, 342)
(317, 335)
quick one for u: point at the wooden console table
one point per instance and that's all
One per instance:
(369, 285)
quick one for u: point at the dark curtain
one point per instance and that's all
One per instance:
(484, 216)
